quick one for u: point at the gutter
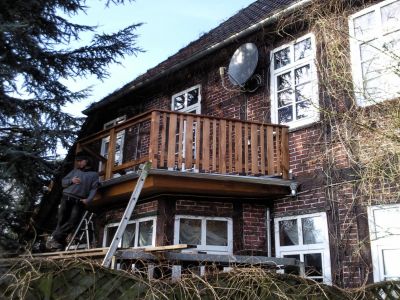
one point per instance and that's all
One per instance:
(253, 28)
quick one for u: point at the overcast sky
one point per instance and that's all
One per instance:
(168, 26)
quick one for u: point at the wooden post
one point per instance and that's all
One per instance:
(154, 129)
(285, 153)
(171, 141)
(111, 155)
(206, 145)
(222, 146)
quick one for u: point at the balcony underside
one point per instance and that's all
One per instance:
(163, 182)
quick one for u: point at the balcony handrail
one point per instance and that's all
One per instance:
(121, 126)
(221, 145)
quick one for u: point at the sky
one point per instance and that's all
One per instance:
(169, 25)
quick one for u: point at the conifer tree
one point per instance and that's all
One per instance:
(36, 59)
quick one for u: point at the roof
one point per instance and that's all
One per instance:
(242, 20)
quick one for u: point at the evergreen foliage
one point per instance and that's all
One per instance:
(36, 59)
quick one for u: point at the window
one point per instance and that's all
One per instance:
(119, 143)
(305, 238)
(375, 47)
(384, 230)
(188, 100)
(138, 233)
(294, 90)
(213, 235)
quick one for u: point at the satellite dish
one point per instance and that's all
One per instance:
(243, 63)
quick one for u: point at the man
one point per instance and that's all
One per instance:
(80, 186)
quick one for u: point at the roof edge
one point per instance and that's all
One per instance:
(129, 88)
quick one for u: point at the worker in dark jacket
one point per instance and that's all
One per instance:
(80, 186)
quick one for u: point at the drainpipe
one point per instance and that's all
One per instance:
(253, 28)
(268, 227)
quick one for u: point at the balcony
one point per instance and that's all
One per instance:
(188, 145)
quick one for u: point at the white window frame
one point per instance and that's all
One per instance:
(380, 244)
(196, 107)
(378, 33)
(136, 221)
(120, 135)
(310, 60)
(204, 247)
(301, 249)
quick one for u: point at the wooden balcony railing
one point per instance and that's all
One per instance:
(188, 142)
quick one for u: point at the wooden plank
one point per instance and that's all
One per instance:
(154, 129)
(110, 155)
(262, 150)
(206, 145)
(285, 153)
(189, 142)
(222, 147)
(163, 138)
(270, 150)
(180, 141)
(214, 146)
(238, 148)
(131, 163)
(197, 143)
(229, 164)
(169, 247)
(171, 141)
(254, 149)
(246, 148)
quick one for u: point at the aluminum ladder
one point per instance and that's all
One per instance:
(144, 170)
(83, 231)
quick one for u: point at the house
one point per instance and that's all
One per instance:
(276, 163)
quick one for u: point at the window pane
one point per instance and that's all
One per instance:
(288, 234)
(302, 75)
(304, 110)
(391, 15)
(302, 49)
(217, 233)
(284, 81)
(128, 239)
(193, 97)
(110, 235)
(391, 263)
(294, 271)
(285, 114)
(285, 98)
(370, 50)
(282, 58)
(313, 264)
(386, 222)
(145, 233)
(312, 230)
(190, 231)
(303, 92)
(179, 102)
(364, 25)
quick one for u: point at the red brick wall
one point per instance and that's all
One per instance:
(204, 208)
(254, 228)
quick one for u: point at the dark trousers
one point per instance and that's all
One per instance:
(69, 214)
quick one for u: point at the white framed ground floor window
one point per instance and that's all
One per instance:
(209, 234)
(305, 237)
(384, 228)
(138, 233)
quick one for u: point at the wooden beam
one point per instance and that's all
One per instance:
(168, 247)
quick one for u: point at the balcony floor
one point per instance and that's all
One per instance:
(166, 182)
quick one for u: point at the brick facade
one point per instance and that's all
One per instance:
(314, 151)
